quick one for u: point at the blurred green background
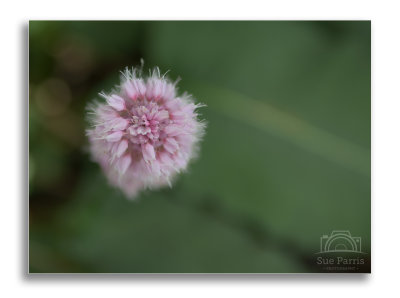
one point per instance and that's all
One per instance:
(286, 156)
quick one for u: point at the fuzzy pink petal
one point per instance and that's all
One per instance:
(117, 102)
(171, 145)
(115, 136)
(173, 130)
(122, 146)
(120, 124)
(124, 163)
(148, 152)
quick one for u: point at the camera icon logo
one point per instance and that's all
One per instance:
(340, 241)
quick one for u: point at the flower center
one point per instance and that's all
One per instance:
(146, 123)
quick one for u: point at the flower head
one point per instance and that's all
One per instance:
(144, 134)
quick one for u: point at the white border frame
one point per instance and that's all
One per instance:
(385, 151)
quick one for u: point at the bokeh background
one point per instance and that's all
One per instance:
(286, 157)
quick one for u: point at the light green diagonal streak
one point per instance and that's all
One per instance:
(295, 130)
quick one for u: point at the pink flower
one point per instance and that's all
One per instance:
(144, 134)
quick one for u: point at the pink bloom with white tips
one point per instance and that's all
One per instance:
(144, 134)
